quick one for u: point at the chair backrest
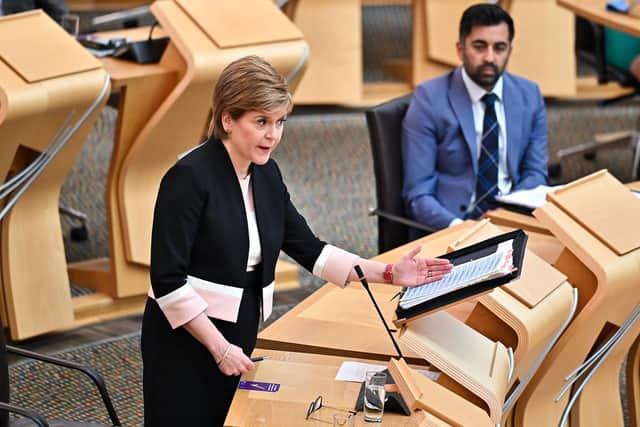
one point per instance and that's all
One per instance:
(4, 376)
(385, 128)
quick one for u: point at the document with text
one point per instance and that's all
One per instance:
(533, 198)
(497, 264)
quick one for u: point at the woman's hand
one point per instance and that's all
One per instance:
(235, 362)
(412, 271)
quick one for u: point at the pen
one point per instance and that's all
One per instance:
(260, 359)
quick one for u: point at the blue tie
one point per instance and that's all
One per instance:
(487, 184)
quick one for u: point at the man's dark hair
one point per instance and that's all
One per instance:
(484, 15)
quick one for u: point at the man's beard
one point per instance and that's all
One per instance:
(483, 80)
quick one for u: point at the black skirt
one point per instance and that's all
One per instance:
(182, 384)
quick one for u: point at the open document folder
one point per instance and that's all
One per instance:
(497, 264)
(477, 269)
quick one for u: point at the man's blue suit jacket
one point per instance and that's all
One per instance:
(439, 146)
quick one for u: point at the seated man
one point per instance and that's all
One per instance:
(474, 132)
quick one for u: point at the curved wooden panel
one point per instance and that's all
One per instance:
(607, 285)
(34, 278)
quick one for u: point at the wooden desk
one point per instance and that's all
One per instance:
(606, 278)
(355, 330)
(343, 322)
(41, 97)
(302, 377)
(142, 88)
(314, 375)
(595, 11)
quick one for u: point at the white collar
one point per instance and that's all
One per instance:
(476, 92)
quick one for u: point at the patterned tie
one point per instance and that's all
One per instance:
(487, 184)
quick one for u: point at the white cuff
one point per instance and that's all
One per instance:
(334, 265)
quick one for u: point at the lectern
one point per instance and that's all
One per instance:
(596, 219)
(164, 111)
(51, 91)
(529, 314)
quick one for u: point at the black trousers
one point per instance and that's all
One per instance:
(182, 384)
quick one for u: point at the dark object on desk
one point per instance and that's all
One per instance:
(495, 204)
(100, 43)
(143, 52)
(384, 122)
(394, 403)
(462, 256)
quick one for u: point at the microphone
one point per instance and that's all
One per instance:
(365, 284)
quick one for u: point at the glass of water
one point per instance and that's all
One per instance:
(374, 396)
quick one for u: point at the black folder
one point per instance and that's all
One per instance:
(524, 210)
(463, 255)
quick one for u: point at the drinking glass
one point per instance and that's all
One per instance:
(374, 396)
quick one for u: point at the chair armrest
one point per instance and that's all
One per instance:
(33, 416)
(601, 141)
(402, 220)
(91, 373)
(613, 137)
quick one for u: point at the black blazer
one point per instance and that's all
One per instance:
(200, 225)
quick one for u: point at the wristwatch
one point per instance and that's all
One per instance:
(387, 275)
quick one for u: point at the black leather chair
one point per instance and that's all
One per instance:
(385, 127)
(32, 418)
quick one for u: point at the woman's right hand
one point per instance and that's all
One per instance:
(236, 362)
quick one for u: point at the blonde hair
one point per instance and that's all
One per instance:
(247, 84)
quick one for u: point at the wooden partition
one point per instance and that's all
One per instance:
(48, 84)
(529, 314)
(596, 219)
(164, 110)
(333, 29)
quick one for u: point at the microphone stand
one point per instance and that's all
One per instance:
(365, 284)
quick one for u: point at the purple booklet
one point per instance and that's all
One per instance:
(259, 386)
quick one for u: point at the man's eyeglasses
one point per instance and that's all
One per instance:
(316, 404)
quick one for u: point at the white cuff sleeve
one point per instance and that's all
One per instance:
(334, 265)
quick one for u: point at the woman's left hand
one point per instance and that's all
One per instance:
(412, 271)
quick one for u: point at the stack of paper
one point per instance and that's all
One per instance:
(498, 264)
(528, 198)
